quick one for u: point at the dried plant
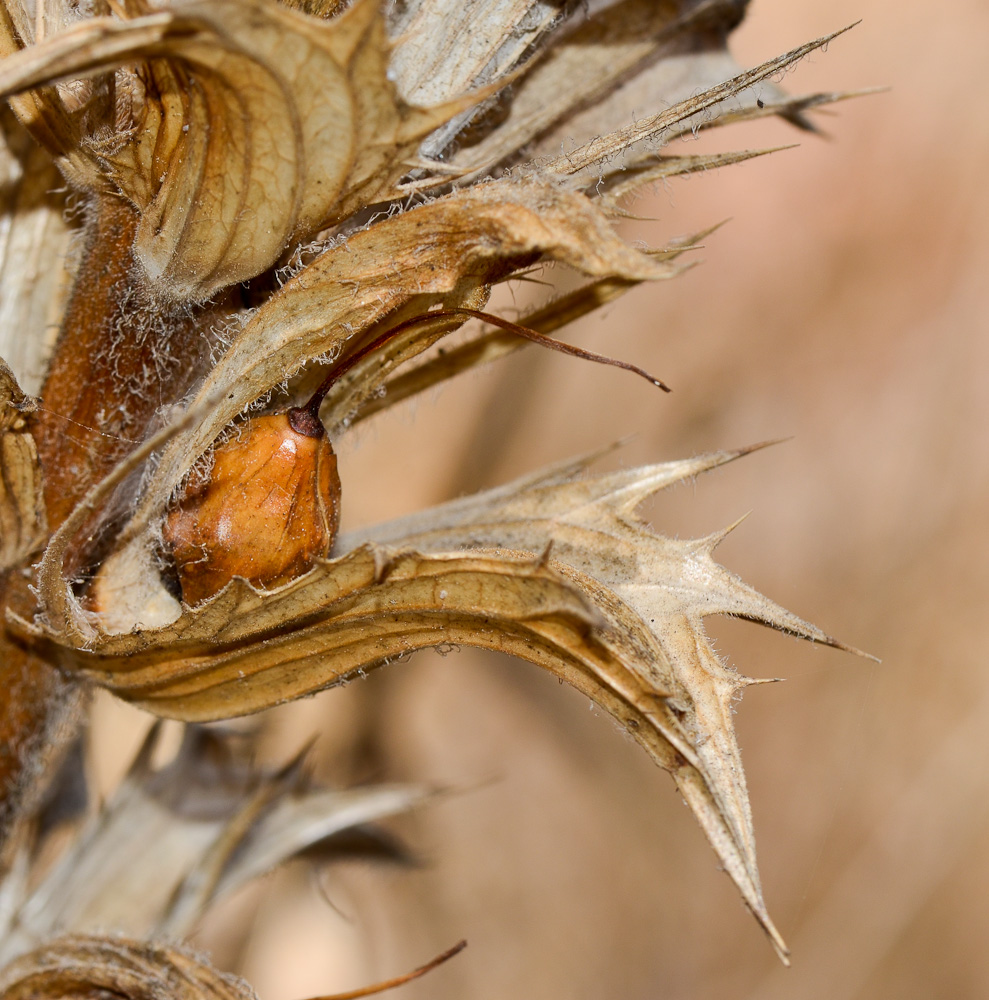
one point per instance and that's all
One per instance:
(244, 218)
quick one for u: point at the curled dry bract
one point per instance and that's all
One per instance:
(254, 127)
(555, 569)
(216, 820)
(82, 967)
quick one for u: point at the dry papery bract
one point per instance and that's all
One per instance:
(555, 569)
(216, 820)
(240, 97)
(236, 97)
(239, 132)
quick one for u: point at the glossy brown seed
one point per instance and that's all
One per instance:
(267, 511)
(270, 506)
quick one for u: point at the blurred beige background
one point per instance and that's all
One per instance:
(844, 306)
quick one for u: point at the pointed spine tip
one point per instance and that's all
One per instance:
(854, 650)
(753, 681)
(775, 938)
(759, 446)
(296, 767)
(711, 542)
(715, 459)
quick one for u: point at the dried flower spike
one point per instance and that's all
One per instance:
(218, 142)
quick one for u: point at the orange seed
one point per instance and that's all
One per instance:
(269, 508)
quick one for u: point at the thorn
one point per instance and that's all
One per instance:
(711, 542)
(688, 265)
(543, 561)
(572, 467)
(805, 631)
(752, 681)
(775, 938)
(690, 242)
(617, 212)
(845, 648)
(716, 459)
(704, 233)
(749, 449)
(294, 768)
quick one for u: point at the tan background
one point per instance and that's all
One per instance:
(845, 306)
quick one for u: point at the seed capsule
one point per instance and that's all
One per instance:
(268, 509)
(270, 506)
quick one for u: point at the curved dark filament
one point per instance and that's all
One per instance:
(305, 419)
(390, 984)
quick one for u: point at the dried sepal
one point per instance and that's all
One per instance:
(23, 527)
(601, 601)
(654, 593)
(587, 65)
(216, 820)
(604, 153)
(81, 967)
(254, 127)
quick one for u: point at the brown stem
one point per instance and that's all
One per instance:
(119, 357)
